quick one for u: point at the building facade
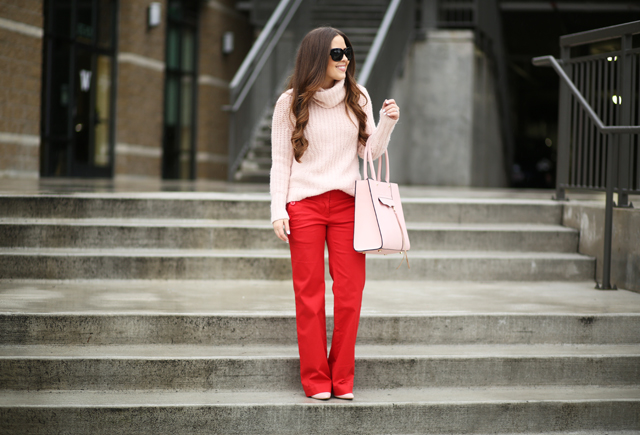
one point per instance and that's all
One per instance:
(115, 88)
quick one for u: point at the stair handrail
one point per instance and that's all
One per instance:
(555, 64)
(384, 67)
(242, 74)
(613, 148)
(261, 76)
(246, 75)
(376, 46)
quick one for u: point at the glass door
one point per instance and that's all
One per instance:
(179, 132)
(78, 88)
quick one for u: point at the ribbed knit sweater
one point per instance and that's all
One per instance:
(331, 160)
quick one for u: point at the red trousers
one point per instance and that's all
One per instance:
(313, 221)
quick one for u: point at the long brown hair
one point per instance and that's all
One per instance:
(307, 79)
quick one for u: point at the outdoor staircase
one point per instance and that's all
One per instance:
(359, 20)
(148, 313)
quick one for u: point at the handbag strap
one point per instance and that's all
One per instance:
(368, 161)
(368, 165)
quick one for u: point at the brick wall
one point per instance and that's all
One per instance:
(21, 24)
(140, 95)
(140, 87)
(216, 72)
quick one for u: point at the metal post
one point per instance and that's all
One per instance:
(623, 200)
(231, 173)
(564, 131)
(612, 160)
(428, 18)
(625, 103)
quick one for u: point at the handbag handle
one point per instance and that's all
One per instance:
(369, 161)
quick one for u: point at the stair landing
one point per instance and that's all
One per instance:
(276, 297)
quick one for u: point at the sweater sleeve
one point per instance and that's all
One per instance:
(281, 157)
(378, 136)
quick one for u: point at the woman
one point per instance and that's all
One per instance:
(321, 124)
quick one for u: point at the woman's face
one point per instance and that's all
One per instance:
(336, 70)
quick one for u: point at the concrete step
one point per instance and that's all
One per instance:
(91, 329)
(70, 263)
(358, 30)
(190, 205)
(250, 234)
(369, 23)
(180, 205)
(351, 15)
(561, 410)
(346, 7)
(261, 149)
(226, 312)
(259, 161)
(267, 368)
(259, 152)
(257, 165)
(253, 175)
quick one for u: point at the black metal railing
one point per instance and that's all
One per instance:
(388, 50)
(457, 14)
(262, 75)
(599, 118)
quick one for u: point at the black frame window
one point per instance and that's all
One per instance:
(180, 94)
(78, 89)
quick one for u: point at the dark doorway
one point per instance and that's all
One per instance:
(180, 94)
(78, 89)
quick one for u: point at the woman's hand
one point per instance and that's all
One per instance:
(281, 227)
(391, 109)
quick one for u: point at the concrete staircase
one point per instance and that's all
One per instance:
(360, 20)
(173, 313)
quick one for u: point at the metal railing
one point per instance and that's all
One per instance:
(262, 74)
(388, 50)
(457, 14)
(599, 118)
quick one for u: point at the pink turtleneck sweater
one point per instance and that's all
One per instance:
(331, 160)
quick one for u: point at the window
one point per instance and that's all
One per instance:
(180, 95)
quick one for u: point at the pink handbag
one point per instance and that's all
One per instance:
(379, 226)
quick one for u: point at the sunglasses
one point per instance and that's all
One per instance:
(338, 53)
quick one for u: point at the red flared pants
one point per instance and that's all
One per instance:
(313, 221)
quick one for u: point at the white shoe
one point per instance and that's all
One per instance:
(321, 396)
(348, 396)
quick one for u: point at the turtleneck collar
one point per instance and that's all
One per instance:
(331, 97)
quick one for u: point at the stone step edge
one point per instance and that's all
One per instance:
(276, 352)
(262, 224)
(278, 254)
(586, 317)
(450, 396)
(264, 197)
